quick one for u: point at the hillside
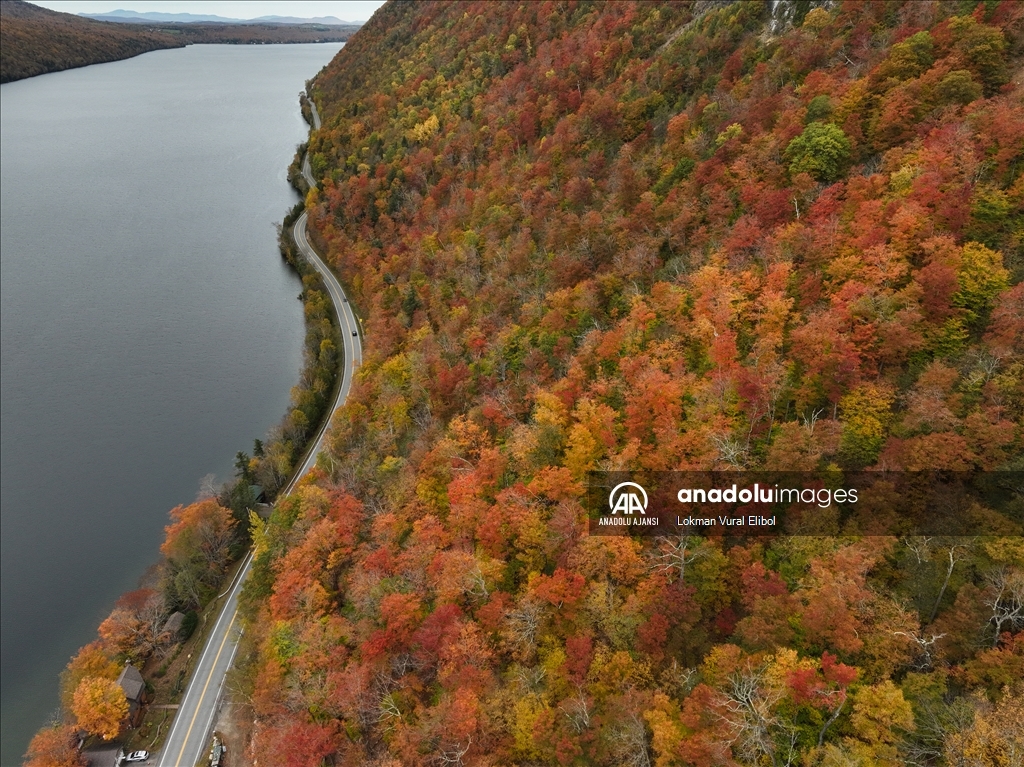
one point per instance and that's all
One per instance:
(35, 40)
(644, 237)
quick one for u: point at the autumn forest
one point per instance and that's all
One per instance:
(646, 236)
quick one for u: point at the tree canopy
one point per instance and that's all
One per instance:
(642, 237)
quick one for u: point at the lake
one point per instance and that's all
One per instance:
(150, 329)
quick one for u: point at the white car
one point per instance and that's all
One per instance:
(136, 756)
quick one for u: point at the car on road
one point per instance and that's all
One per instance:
(355, 333)
(136, 756)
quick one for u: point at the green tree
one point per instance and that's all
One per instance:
(819, 109)
(958, 87)
(984, 48)
(910, 58)
(981, 278)
(822, 150)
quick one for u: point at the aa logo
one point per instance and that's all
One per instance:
(625, 498)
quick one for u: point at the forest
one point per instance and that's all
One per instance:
(34, 40)
(646, 237)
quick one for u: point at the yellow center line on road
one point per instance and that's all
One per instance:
(202, 695)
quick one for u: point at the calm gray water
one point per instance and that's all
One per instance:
(149, 327)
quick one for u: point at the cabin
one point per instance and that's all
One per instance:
(134, 687)
(103, 755)
(172, 627)
(260, 505)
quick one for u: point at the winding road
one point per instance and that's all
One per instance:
(188, 738)
(307, 169)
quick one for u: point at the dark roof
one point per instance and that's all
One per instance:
(173, 624)
(132, 683)
(102, 754)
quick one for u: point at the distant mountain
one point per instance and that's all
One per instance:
(150, 16)
(139, 17)
(334, 20)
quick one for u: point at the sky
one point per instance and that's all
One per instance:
(346, 10)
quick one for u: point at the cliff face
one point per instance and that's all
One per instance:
(785, 14)
(652, 236)
(35, 40)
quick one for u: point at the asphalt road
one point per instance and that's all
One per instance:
(307, 170)
(188, 738)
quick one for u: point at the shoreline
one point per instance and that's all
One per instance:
(196, 706)
(236, 568)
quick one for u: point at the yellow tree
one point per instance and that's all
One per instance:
(880, 717)
(91, 661)
(866, 412)
(100, 706)
(996, 736)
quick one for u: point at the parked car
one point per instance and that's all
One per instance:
(136, 756)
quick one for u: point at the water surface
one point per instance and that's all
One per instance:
(149, 327)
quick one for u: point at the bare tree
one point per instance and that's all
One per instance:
(810, 419)
(935, 721)
(920, 545)
(577, 710)
(531, 679)
(207, 487)
(522, 623)
(390, 713)
(676, 552)
(924, 645)
(730, 450)
(1005, 597)
(629, 743)
(453, 754)
(749, 706)
(954, 553)
(678, 679)
(476, 585)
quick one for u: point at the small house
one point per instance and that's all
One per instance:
(134, 687)
(103, 755)
(172, 627)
